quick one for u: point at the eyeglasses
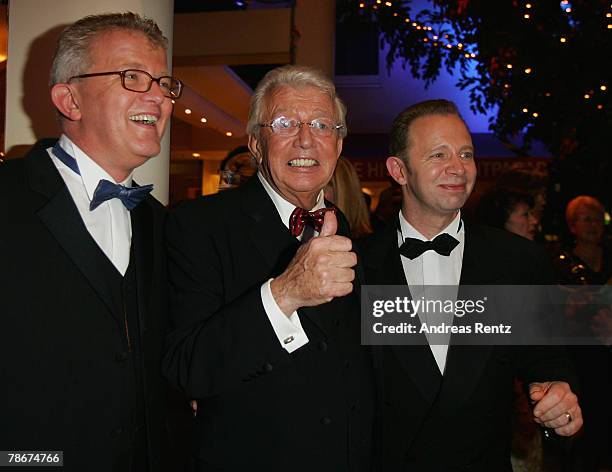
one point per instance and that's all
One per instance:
(140, 81)
(284, 126)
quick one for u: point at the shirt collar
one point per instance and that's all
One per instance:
(283, 207)
(91, 172)
(455, 228)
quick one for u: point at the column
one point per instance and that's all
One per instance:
(315, 21)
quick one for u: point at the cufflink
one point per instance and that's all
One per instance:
(288, 339)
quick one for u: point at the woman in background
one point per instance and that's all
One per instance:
(587, 262)
(510, 210)
(522, 179)
(344, 191)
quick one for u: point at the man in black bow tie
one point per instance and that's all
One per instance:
(83, 267)
(266, 320)
(447, 408)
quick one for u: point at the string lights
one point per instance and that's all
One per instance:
(445, 43)
(432, 39)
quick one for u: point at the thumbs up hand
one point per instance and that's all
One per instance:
(330, 225)
(321, 270)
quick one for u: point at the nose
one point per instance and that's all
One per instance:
(155, 93)
(303, 138)
(456, 166)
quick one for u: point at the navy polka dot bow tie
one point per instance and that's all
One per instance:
(443, 244)
(300, 218)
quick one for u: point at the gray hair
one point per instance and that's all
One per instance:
(293, 76)
(72, 56)
(399, 137)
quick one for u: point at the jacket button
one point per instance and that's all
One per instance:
(322, 346)
(267, 367)
(121, 356)
(117, 432)
(325, 420)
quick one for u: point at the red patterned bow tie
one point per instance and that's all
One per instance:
(300, 217)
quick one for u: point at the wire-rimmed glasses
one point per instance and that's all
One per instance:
(284, 126)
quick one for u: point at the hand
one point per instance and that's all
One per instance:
(320, 270)
(553, 402)
(194, 407)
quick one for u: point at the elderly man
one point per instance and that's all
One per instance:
(449, 409)
(83, 268)
(266, 323)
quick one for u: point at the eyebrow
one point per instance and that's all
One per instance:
(139, 66)
(445, 145)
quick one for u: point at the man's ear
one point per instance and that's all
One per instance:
(397, 169)
(255, 148)
(64, 99)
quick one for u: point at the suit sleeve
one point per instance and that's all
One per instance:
(216, 342)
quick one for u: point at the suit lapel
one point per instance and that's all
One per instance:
(464, 364)
(142, 244)
(265, 229)
(61, 216)
(384, 267)
(478, 267)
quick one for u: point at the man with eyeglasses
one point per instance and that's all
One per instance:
(265, 333)
(83, 278)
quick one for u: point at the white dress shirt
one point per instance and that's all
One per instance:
(109, 224)
(432, 268)
(288, 329)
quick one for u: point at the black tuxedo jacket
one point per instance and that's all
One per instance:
(459, 421)
(259, 407)
(65, 362)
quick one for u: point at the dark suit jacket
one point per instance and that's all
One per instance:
(66, 371)
(459, 421)
(259, 407)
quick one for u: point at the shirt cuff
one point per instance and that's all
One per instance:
(288, 329)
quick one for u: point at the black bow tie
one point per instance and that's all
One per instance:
(443, 244)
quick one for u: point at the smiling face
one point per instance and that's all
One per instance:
(522, 221)
(441, 172)
(299, 166)
(117, 128)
